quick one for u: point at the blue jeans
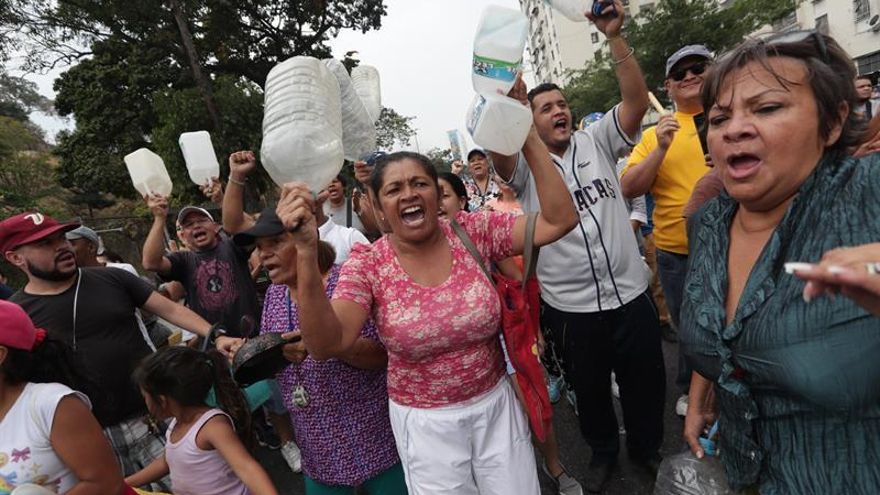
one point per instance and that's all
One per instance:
(672, 269)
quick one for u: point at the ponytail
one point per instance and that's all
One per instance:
(187, 376)
(230, 398)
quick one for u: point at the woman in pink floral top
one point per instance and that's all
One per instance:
(456, 421)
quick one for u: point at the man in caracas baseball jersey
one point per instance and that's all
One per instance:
(594, 283)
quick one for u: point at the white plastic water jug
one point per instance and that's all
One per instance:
(358, 131)
(366, 83)
(575, 10)
(302, 123)
(499, 123)
(498, 49)
(198, 152)
(148, 173)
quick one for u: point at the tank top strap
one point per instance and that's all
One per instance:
(197, 426)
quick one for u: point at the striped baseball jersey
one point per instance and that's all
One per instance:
(596, 266)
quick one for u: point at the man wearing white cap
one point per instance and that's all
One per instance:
(668, 162)
(215, 273)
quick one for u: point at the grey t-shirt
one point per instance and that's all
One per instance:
(596, 266)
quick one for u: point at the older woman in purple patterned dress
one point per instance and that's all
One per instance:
(339, 407)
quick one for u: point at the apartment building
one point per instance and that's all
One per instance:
(855, 24)
(557, 45)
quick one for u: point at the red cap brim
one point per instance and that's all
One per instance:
(36, 236)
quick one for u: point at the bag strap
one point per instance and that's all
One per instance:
(530, 252)
(469, 245)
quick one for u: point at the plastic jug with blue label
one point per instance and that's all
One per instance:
(499, 123)
(148, 173)
(198, 152)
(498, 49)
(302, 123)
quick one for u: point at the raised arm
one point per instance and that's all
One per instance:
(638, 178)
(328, 329)
(154, 247)
(557, 215)
(633, 90)
(241, 164)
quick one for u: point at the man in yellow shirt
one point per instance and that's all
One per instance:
(668, 162)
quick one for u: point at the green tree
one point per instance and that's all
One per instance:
(441, 158)
(181, 110)
(152, 68)
(25, 168)
(657, 33)
(393, 128)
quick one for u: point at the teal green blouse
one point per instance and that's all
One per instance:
(797, 384)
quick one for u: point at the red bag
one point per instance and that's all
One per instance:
(520, 327)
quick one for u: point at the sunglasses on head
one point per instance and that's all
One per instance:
(799, 36)
(681, 72)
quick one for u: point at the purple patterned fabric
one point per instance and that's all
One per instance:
(344, 432)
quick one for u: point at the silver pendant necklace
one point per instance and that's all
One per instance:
(300, 397)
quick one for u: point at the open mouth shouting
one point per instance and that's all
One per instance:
(412, 216)
(742, 165)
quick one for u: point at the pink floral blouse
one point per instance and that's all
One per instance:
(442, 342)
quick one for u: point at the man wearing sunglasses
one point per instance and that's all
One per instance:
(668, 162)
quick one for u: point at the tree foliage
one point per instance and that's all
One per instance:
(138, 85)
(393, 128)
(441, 158)
(657, 33)
(25, 167)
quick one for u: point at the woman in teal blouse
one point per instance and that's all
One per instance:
(794, 382)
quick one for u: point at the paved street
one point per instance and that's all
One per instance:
(627, 479)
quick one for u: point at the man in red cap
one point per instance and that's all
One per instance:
(92, 310)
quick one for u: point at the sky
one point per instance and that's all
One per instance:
(423, 52)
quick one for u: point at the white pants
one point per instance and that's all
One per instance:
(479, 447)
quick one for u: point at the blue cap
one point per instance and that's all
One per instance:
(371, 157)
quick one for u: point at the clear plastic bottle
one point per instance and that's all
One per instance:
(302, 123)
(198, 152)
(366, 83)
(498, 49)
(499, 123)
(358, 131)
(574, 10)
(148, 173)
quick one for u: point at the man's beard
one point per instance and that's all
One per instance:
(54, 275)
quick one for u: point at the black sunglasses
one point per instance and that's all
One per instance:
(799, 36)
(681, 72)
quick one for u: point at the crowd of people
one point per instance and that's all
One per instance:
(743, 225)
